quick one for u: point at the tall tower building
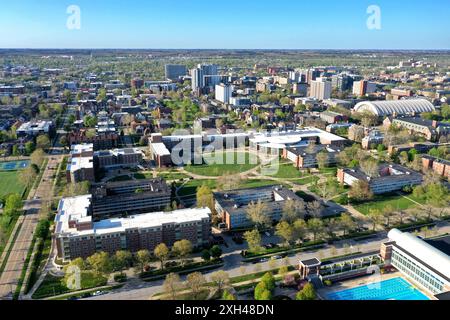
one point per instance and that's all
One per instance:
(321, 89)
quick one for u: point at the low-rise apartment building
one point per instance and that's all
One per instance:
(35, 128)
(440, 166)
(232, 205)
(306, 157)
(129, 197)
(388, 178)
(432, 130)
(118, 158)
(80, 165)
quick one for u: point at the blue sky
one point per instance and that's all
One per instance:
(227, 24)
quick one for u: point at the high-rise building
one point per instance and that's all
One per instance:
(312, 75)
(363, 87)
(320, 89)
(223, 92)
(198, 76)
(342, 82)
(174, 71)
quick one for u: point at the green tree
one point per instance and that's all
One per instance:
(315, 226)
(307, 293)
(27, 176)
(162, 253)
(122, 260)
(182, 249)
(376, 217)
(195, 282)
(13, 204)
(322, 159)
(347, 223)
(142, 258)
(206, 256)
(292, 210)
(37, 157)
(43, 141)
(360, 191)
(253, 239)
(300, 229)
(42, 229)
(172, 284)
(220, 279)
(100, 262)
(285, 231)
(227, 295)
(269, 280)
(259, 289)
(257, 212)
(216, 252)
(205, 197)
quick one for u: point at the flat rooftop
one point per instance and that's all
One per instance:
(77, 209)
(78, 163)
(440, 243)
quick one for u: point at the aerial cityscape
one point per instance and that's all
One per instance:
(188, 170)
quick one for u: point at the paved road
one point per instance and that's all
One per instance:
(138, 290)
(11, 274)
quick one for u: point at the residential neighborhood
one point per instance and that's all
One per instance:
(224, 174)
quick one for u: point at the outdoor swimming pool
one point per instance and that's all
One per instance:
(392, 289)
(14, 165)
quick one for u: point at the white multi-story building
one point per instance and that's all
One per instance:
(198, 75)
(320, 89)
(425, 262)
(223, 93)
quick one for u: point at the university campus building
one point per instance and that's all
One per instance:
(426, 262)
(389, 177)
(77, 235)
(80, 165)
(129, 197)
(232, 205)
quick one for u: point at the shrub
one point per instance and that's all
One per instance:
(328, 283)
(120, 277)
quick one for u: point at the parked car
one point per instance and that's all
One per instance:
(264, 260)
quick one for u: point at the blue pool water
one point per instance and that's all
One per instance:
(14, 165)
(392, 289)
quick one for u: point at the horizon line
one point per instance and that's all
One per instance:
(242, 49)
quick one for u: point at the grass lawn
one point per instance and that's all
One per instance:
(9, 183)
(190, 187)
(379, 202)
(331, 170)
(285, 170)
(239, 162)
(143, 175)
(52, 285)
(306, 180)
(7, 224)
(172, 175)
(255, 183)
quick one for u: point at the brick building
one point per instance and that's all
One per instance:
(440, 166)
(78, 236)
